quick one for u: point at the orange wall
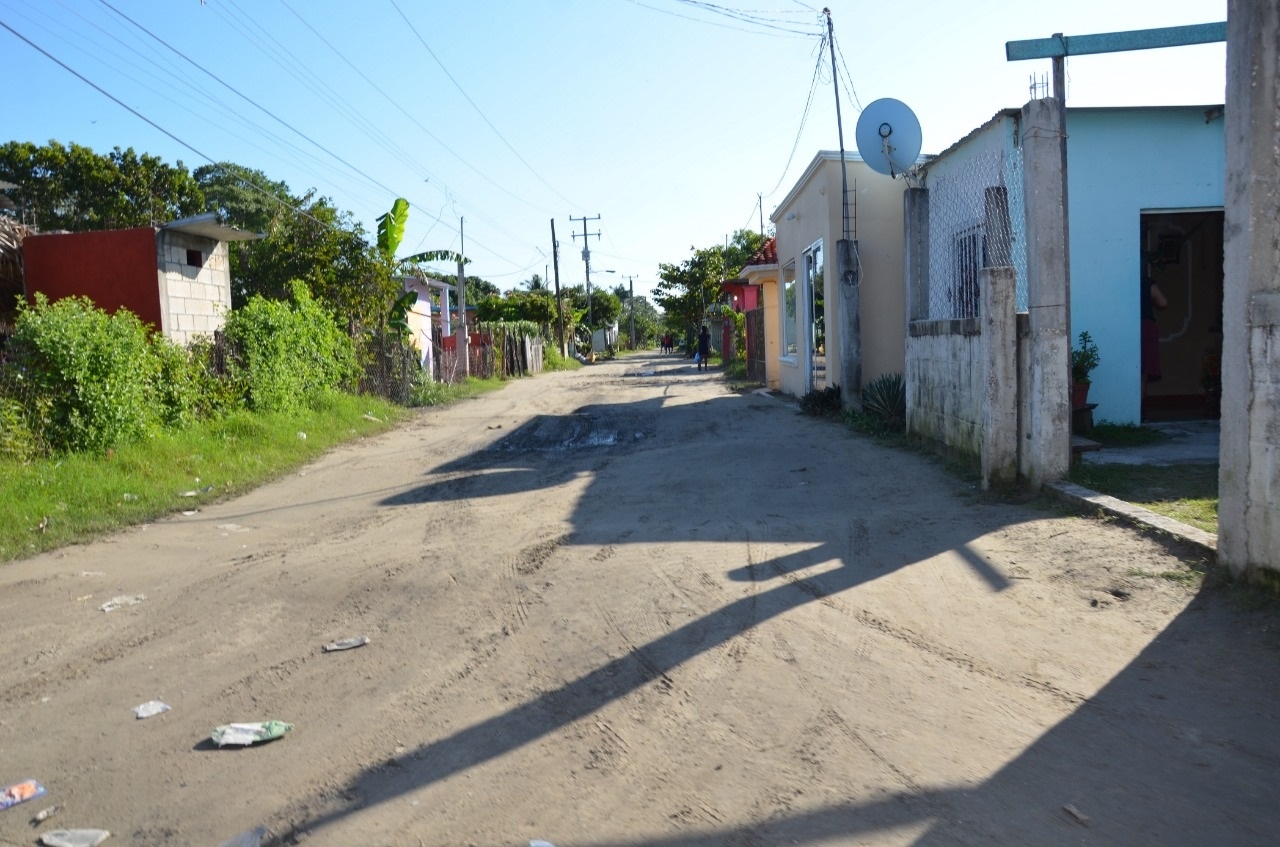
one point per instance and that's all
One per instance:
(115, 269)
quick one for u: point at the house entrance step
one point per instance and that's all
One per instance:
(1081, 445)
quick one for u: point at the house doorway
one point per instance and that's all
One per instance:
(1182, 255)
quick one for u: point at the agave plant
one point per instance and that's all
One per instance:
(884, 400)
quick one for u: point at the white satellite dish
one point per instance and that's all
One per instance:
(888, 136)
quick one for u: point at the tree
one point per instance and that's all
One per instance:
(535, 283)
(243, 198)
(75, 189)
(686, 291)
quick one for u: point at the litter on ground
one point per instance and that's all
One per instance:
(346, 643)
(150, 709)
(20, 792)
(121, 601)
(74, 837)
(244, 734)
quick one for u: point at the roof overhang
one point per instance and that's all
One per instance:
(208, 226)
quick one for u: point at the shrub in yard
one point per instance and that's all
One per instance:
(884, 402)
(89, 376)
(288, 353)
(822, 402)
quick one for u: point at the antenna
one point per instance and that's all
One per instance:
(888, 136)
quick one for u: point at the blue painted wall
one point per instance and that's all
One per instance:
(1121, 163)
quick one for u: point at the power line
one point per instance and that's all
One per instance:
(848, 77)
(813, 86)
(500, 186)
(143, 117)
(484, 117)
(783, 34)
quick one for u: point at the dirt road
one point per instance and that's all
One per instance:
(624, 607)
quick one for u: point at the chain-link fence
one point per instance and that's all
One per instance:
(975, 221)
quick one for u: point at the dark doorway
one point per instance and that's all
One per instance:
(1182, 255)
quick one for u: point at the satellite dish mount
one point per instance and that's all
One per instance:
(888, 136)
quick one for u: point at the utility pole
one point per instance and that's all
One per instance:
(760, 203)
(586, 260)
(631, 301)
(835, 80)
(555, 258)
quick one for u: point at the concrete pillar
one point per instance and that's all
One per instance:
(1048, 293)
(848, 295)
(998, 294)
(915, 264)
(1249, 469)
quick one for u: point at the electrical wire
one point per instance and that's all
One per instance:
(847, 79)
(482, 115)
(813, 86)
(785, 34)
(147, 120)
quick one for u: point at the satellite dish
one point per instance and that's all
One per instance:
(888, 136)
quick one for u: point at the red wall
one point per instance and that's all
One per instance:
(115, 269)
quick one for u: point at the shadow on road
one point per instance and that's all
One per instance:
(1144, 743)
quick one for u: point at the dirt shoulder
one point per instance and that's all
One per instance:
(624, 606)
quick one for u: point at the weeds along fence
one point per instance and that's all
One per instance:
(19, 401)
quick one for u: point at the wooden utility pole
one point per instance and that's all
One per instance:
(555, 260)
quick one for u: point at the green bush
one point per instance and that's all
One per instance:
(179, 386)
(89, 376)
(884, 402)
(288, 353)
(822, 402)
(553, 361)
(17, 441)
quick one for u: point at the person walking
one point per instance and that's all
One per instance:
(704, 348)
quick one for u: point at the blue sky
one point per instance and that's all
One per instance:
(664, 117)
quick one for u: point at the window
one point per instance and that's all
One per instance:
(790, 315)
(968, 257)
(195, 258)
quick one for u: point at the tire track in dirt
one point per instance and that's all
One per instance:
(918, 642)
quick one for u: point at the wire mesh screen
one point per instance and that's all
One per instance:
(975, 221)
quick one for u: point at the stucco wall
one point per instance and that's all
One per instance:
(945, 388)
(194, 300)
(116, 269)
(1120, 164)
(875, 209)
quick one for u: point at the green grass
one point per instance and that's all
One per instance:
(48, 503)
(1188, 493)
(1125, 435)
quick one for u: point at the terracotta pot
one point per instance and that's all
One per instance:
(1079, 395)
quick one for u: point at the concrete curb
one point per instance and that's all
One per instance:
(1087, 500)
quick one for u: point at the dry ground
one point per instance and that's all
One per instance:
(624, 607)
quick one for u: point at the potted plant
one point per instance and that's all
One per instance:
(1084, 358)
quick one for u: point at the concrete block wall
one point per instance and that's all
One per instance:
(194, 301)
(946, 384)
